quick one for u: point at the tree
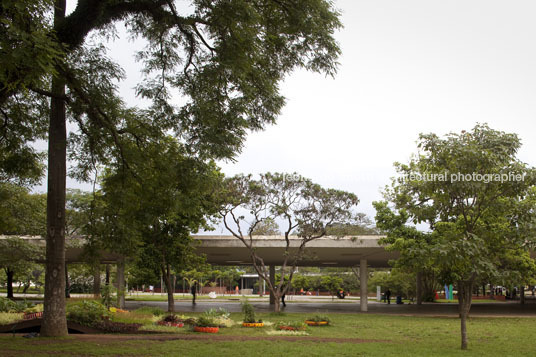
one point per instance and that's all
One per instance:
(21, 213)
(17, 256)
(226, 58)
(410, 243)
(268, 227)
(164, 197)
(467, 187)
(305, 207)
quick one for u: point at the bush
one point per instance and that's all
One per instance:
(249, 312)
(33, 309)
(205, 321)
(218, 313)
(87, 312)
(7, 318)
(318, 318)
(151, 310)
(8, 305)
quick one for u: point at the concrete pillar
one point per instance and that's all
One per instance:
(96, 281)
(261, 286)
(419, 288)
(121, 283)
(363, 277)
(272, 281)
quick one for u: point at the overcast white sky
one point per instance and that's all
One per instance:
(407, 66)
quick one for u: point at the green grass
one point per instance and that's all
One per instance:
(399, 335)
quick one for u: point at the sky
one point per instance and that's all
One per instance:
(407, 67)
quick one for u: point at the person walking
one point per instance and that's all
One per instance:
(388, 296)
(194, 292)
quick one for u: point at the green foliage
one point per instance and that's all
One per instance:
(35, 308)
(220, 312)
(397, 281)
(249, 311)
(306, 208)
(87, 312)
(292, 325)
(22, 213)
(332, 283)
(107, 298)
(8, 305)
(319, 318)
(150, 310)
(206, 321)
(7, 318)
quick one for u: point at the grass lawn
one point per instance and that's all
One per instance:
(384, 335)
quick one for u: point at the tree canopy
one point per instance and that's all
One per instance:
(470, 189)
(305, 208)
(224, 59)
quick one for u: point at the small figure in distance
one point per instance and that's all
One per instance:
(388, 295)
(194, 292)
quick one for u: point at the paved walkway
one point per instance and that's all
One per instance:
(507, 309)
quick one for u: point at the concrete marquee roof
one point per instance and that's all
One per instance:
(325, 251)
(228, 250)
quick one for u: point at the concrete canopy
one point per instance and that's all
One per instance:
(323, 252)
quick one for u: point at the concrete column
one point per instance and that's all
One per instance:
(272, 281)
(419, 288)
(121, 283)
(261, 287)
(96, 281)
(363, 277)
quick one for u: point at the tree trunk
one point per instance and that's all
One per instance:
(166, 273)
(54, 320)
(465, 290)
(277, 302)
(9, 274)
(522, 294)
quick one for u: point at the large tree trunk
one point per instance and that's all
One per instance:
(465, 290)
(54, 320)
(9, 274)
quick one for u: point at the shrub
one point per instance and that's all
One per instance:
(7, 318)
(33, 309)
(8, 305)
(292, 326)
(205, 321)
(249, 312)
(171, 318)
(218, 313)
(107, 295)
(318, 318)
(87, 312)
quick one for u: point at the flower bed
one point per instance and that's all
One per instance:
(252, 324)
(168, 323)
(316, 323)
(32, 315)
(206, 329)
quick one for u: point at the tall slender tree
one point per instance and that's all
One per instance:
(226, 58)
